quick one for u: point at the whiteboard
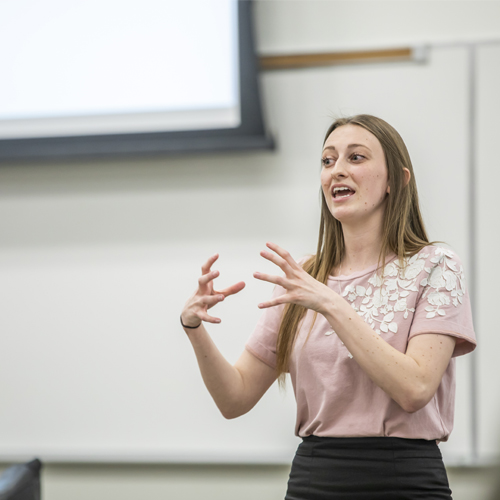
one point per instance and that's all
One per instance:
(93, 363)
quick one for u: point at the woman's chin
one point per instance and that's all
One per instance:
(351, 216)
(342, 215)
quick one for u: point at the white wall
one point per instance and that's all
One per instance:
(294, 26)
(99, 211)
(488, 246)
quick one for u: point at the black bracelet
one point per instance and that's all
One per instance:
(190, 327)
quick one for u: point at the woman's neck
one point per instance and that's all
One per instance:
(362, 248)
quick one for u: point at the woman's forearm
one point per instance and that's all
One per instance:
(223, 380)
(410, 380)
(227, 384)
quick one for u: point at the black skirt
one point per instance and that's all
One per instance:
(368, 468)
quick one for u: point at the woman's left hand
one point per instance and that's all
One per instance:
(301, 288)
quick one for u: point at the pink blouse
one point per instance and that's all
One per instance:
(334, 395)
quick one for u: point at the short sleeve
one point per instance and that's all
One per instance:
(443, 305)
(262, 342)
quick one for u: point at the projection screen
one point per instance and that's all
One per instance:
(103, 77)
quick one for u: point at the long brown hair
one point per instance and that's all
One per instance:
(403, 231)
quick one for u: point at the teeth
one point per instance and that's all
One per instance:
(339, 189)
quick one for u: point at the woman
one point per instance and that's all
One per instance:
(367, 328)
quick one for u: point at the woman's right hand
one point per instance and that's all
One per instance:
(205, 297)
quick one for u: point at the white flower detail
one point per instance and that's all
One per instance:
(391, 285)
(436, 279)
(443, 275)
(351, 291)
(413, 270)
(388, 297)
(380, 298)
(438, 299)
(375, 280)
(400, 305)
(390, 270)
(450, 279)
(443, 252)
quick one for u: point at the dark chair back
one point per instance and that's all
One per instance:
(21, 482)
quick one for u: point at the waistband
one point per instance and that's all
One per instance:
(365, 446)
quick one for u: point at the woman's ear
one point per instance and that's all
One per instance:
(407, 176)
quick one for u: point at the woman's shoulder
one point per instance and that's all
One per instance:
(436, 269)
(431, 257)
(433, 250)
(443, 304)
(432, 266)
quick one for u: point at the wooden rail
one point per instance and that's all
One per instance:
(332, 58)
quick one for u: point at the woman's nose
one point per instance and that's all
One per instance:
(339, 171)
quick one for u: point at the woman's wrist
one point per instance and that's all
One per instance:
(339, 311)
(330, 303)
(191, 324)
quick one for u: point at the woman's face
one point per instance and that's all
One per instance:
(354, 175)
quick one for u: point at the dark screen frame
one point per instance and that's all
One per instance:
(250, 135)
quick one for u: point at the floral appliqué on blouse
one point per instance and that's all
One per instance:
(387, 296)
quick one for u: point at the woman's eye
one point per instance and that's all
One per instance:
(327, 162)
(357, 157)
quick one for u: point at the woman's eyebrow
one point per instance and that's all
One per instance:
(349, 147)
(358, 146)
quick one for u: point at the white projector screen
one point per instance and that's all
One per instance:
(129, 70)
(68, 60)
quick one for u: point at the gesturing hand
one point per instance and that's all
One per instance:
(301, 288)
(206, 297)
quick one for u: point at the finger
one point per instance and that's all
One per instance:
(206, 278)
(277, 280)
(276, 259)
(211, 300)
(231, 290)
(282, 299)
(284, 254)
(205, 268)
(207, 318)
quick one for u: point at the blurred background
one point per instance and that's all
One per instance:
(100, 251)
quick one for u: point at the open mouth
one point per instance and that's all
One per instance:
(342, 192)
